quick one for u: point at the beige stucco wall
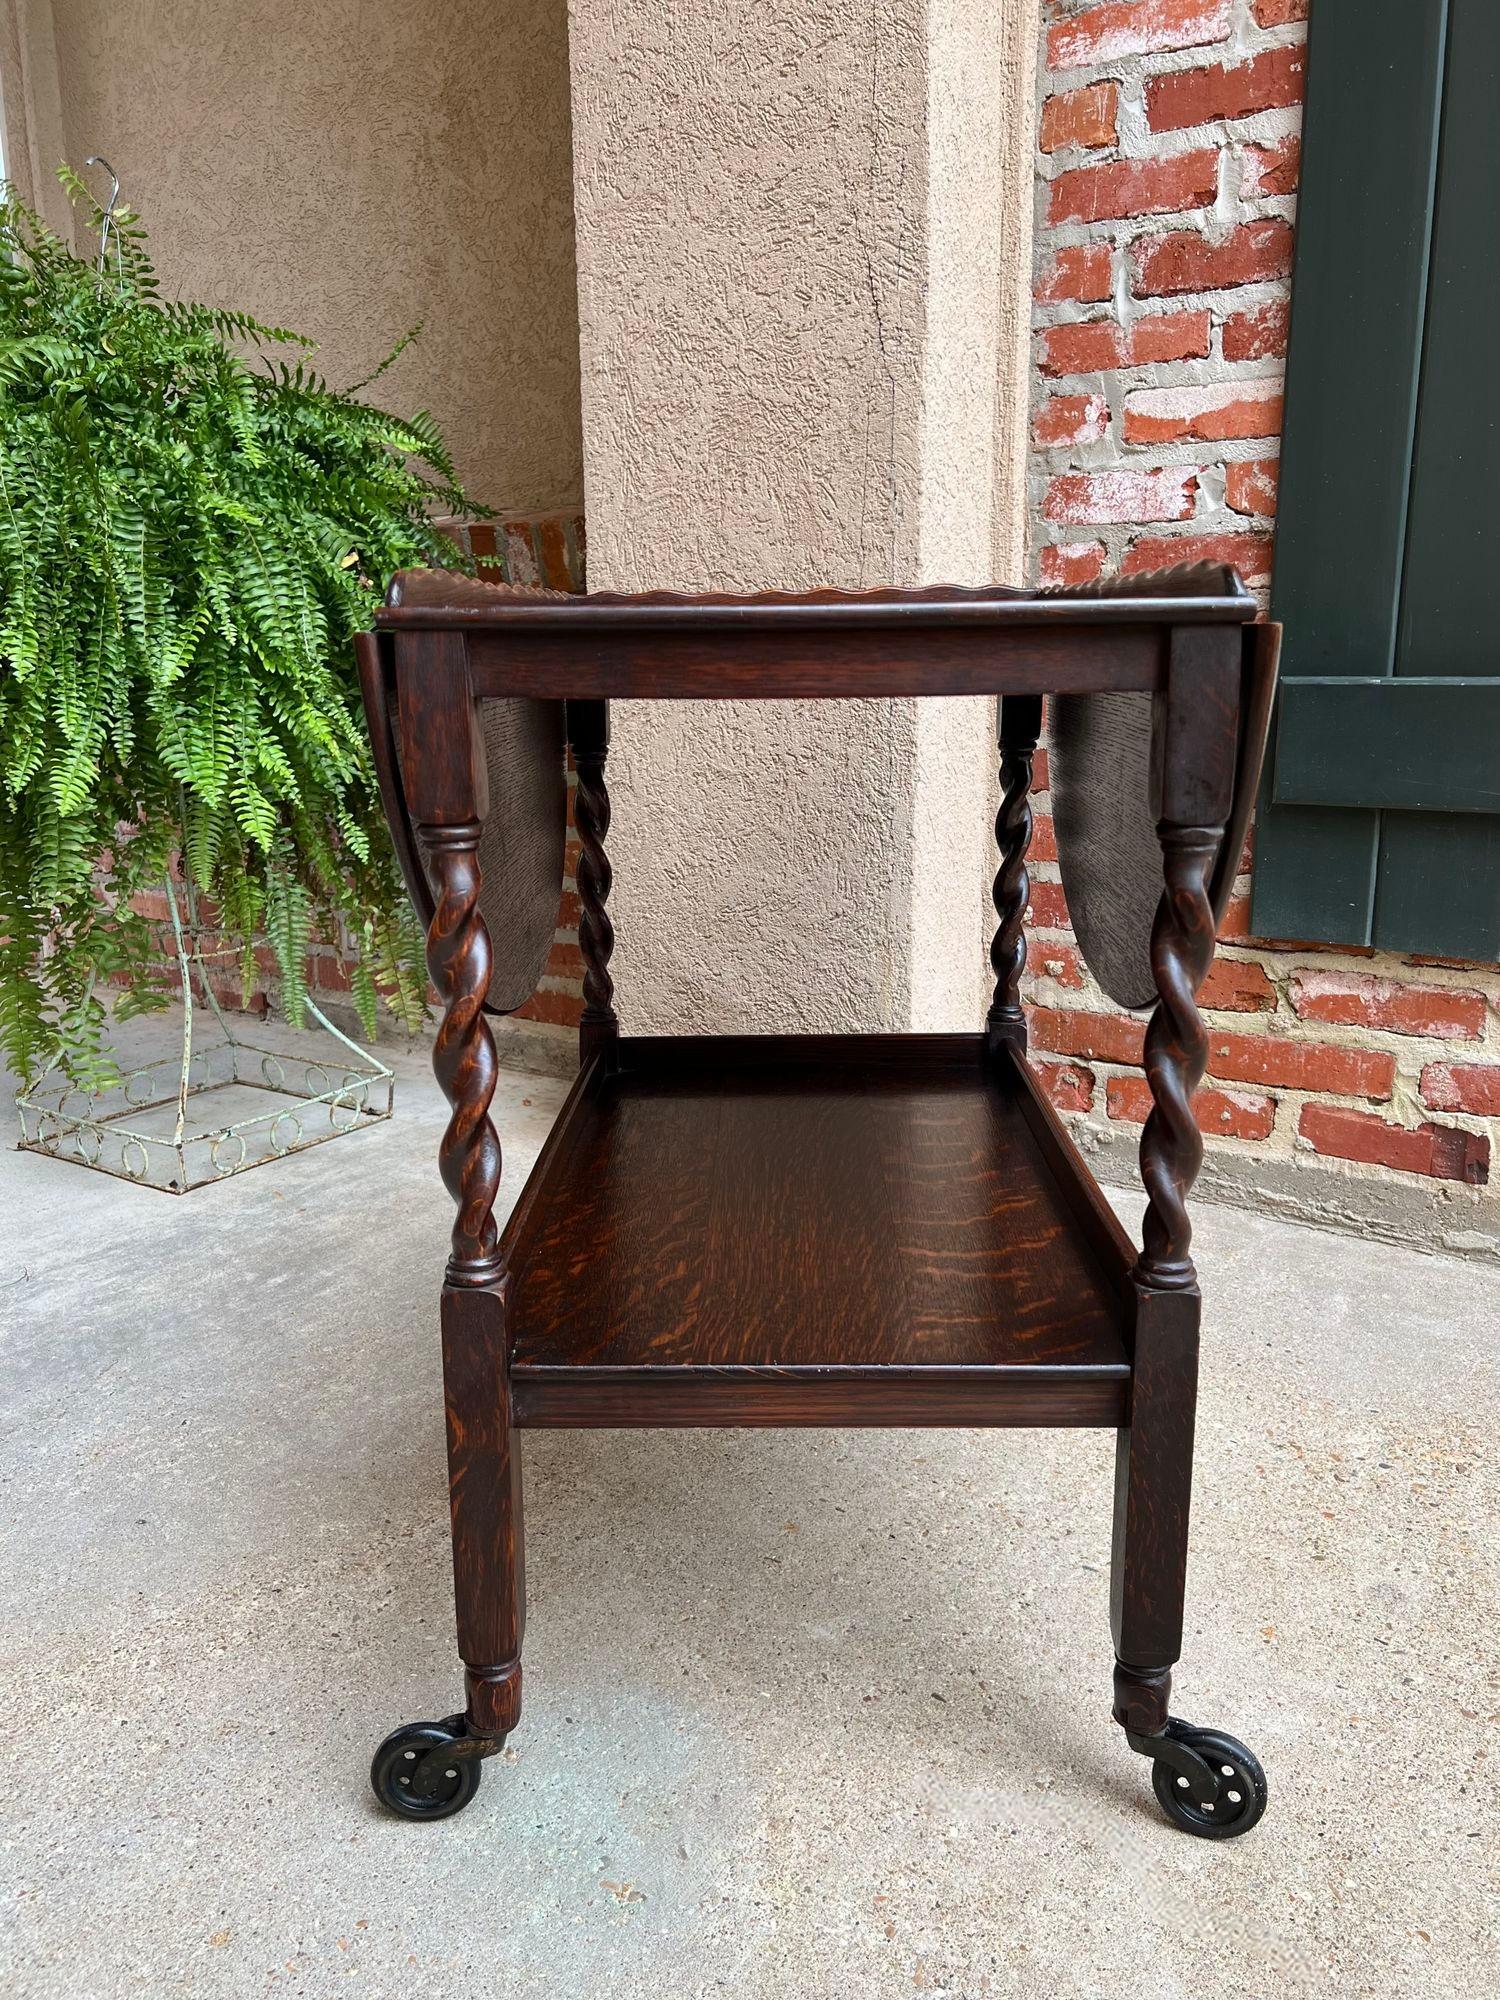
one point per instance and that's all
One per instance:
(347, 168)
(803, 254)
(975, 413)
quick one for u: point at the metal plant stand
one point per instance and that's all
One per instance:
(139, 1127)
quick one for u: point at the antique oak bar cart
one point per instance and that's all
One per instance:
(819, 1229)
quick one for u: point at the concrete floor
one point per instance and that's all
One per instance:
(807, 1714)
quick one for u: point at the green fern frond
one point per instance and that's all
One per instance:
(187, 544)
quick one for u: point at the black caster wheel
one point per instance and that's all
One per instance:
(412, 1778)
(1242, 1785)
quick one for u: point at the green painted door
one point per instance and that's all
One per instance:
(1380, 816)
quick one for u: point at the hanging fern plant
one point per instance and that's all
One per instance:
(189, 539)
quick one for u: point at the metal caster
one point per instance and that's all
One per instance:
(1205, 1782)
(430, 1770)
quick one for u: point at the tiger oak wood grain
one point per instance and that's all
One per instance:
(805, 1214)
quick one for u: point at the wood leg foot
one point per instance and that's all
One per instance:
(1141, 1698)
(484, 1466)
(494, 1699)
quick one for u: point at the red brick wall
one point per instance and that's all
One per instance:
(1166, 175)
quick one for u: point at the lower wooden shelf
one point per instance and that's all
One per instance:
(809, 1229)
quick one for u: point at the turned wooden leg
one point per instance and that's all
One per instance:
(1154, 1455)
(484, 1488)
(483, 1459)
(1153, 1490)
(1020, 725)
(1171, 1153)
(1208, 1783)
(463, 1053)
(588, 731)
(429, 1770)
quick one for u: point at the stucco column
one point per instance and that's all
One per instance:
(803, 268)
(31, 112)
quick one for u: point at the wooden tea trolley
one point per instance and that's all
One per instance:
(815, 1229)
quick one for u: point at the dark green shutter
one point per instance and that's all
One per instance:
(1380, 818)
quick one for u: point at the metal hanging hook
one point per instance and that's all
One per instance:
(107, 217)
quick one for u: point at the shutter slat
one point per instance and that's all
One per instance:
(1448, 623)
(1438, 882)
(1440, 890)
(1358, 294)
(1400, 745)
(1374, 66)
